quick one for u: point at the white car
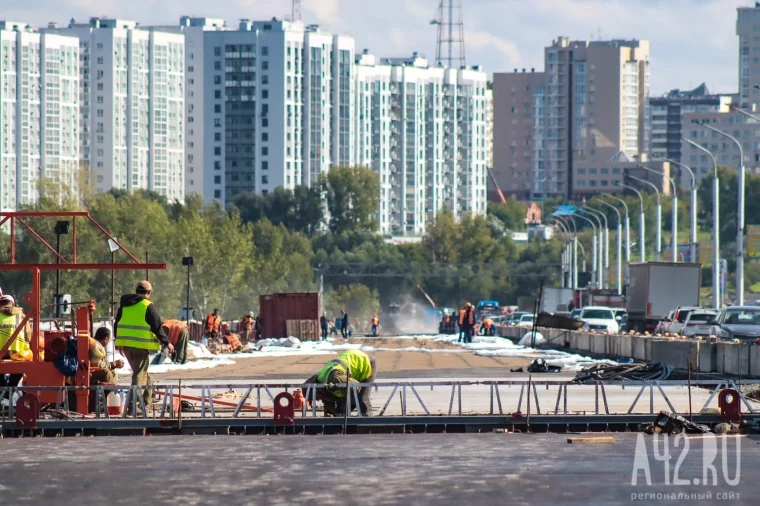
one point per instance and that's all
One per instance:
(679, 319)
(599, 319)
(696, 323)
(663, 325)
(525, 320)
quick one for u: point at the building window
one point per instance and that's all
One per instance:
(217, 93)
(217, 137)
(264, 51)
(217, 194)
(264, 151)
(217, 179)
(190, 68)
(218, 51)
(264, 179)
(264, 79)
(217, 65)
(264, 136)
(217, 108)
(217, 151)
(217, 122)
(264, 65)
(264, 93)
(217, 79)
(217, 165)
(265, 122)
(264, 165)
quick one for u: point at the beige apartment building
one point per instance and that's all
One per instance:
(587, 108)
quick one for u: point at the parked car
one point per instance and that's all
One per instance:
(576, 313)
(516, 317)
(679, 318)
(664, 325)
(698, 323)
(737, 322)
(599, 318)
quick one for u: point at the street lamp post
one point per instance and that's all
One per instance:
(692, 207)
(674, 221)
(619, 246)
(187, 261)
(594, 265)
(739, 217)
(571, 221)
(566, 268)
(716, 225)
(61, 228)
(627, 232)
(642, 224)
(606, 251)
(658, 222)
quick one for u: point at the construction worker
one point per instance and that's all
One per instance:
(245, 327)
(232, 339)
(139, 332)
(179, 335)
(344, 324)
(213, 321)
(351, 366)
(466, 323)
(106, 372)
(375, 325)
(10, 318)
(323, 324)
(487, 328)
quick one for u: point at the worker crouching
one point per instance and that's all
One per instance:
(352, 367)
(19, 350)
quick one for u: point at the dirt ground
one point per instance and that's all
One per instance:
(391, 364)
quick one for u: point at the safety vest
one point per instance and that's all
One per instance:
(463, 314)
(8, 325)
(175, 328)
(132, 331)
(488, 323)
(375, 320)
(358, 364)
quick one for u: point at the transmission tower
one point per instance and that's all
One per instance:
(295, 10)
(449, 48)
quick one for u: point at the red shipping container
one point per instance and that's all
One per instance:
(274, 309)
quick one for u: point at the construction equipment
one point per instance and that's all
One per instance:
(432, 302)
(496, 185)
(41, 371)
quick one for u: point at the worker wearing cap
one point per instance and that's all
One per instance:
(139, 332)
(10, 318)
(351, 366)
(467, 322)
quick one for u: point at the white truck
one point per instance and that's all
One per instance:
(656, 288)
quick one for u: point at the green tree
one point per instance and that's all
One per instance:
(353, 195)
(512, 215)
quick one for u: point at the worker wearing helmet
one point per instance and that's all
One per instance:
(19, 350)
(139, 332)
(351, 366)
(466, 323)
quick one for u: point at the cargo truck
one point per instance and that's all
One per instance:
(655, 288)
(556, 299)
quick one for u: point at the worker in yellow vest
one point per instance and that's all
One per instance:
(351, 366)
(139, 332)
(10, 318)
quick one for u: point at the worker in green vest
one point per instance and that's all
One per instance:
(19, 350)
(139, 332)
(351, 366)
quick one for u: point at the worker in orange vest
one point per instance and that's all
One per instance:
(179, 335)
(375, 325)
(245, 327)
(487, 328)
(232, 339)
(213, 321)
(466, 323)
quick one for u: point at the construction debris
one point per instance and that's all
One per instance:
(540, 365)
(671, 423)
(631, 372)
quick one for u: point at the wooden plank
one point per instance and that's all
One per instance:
(591, 440)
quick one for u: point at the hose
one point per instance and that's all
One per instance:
(631, 372)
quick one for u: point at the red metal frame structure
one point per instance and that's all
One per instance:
(40, 372)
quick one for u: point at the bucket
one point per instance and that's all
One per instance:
(115, 404)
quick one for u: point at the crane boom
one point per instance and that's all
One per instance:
(493, 180)
(432, 302)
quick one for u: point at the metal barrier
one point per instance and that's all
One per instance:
(487, 398)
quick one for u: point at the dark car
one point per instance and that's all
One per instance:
(737, 322)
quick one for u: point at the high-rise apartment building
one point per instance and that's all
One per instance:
(589, 105)
(666, 117)
(423, 129)
(132, 105)
(39, 101)
(279, 96)
(748, 30)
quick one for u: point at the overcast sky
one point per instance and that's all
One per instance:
(691, 40)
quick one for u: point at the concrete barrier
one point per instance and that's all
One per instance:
(584, 341)
(708, 357)
(754, 361)
(733, 358)
(598, 344)
(675, 353)
(623, 345)
(642, 348)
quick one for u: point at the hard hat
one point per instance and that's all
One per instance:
(467, 304)
(250, 313)
(7, 300)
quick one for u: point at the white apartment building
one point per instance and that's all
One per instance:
(424, 131)
(132, 105)
(269, 104)
(39, 83)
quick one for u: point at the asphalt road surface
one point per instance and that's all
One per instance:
(441, 470)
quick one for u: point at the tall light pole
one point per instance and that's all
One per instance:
(600, 245)
(716, 225)
(570, 220)
(642, 223)
(692, 207)
(658, 222)
(739, 217)
(594, 265)
(674, 221)
(566, 255)
(605, 248)
(188, 262)
(627, 231)
(619, 246)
